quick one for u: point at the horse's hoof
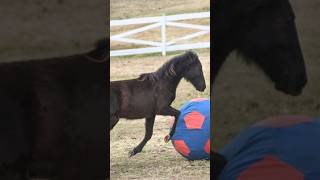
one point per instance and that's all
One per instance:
(132, 153)
(167, 138)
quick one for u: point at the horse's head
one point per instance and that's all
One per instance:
(264, 31)
(193, 71)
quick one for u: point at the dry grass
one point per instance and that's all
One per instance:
(157, 160)
(123, 9)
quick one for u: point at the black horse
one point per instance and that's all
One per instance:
(53, 117)
(264, 32)
(152, 94)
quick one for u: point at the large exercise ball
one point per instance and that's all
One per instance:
(192, 135)
(283, 147)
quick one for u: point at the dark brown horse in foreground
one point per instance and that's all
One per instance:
(264, 32)
(152, 94)
(53, 117)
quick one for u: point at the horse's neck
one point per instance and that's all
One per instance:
(172, 83)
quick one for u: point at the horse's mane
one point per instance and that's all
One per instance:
(100, 53)
(172, 67)
(148, 77)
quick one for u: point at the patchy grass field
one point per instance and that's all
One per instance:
(244, 95)
(158, 160)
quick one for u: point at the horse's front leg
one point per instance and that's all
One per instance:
(148, 134)
(170, 111)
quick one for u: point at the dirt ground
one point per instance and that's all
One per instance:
(244, 95)
(158, 160)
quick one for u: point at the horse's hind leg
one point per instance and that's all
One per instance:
(148, 134)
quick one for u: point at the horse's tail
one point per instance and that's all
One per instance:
(101, 52)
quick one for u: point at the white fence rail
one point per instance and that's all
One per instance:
(160, 22)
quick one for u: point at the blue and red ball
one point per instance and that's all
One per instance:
(282, 147)
(192, 135)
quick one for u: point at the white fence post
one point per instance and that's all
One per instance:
(163, 35)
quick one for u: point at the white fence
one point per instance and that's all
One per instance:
(160, 22)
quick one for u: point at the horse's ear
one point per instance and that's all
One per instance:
(191, 53)
(191, 56)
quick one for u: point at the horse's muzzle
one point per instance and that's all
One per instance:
(201, 88)
(291, 90)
